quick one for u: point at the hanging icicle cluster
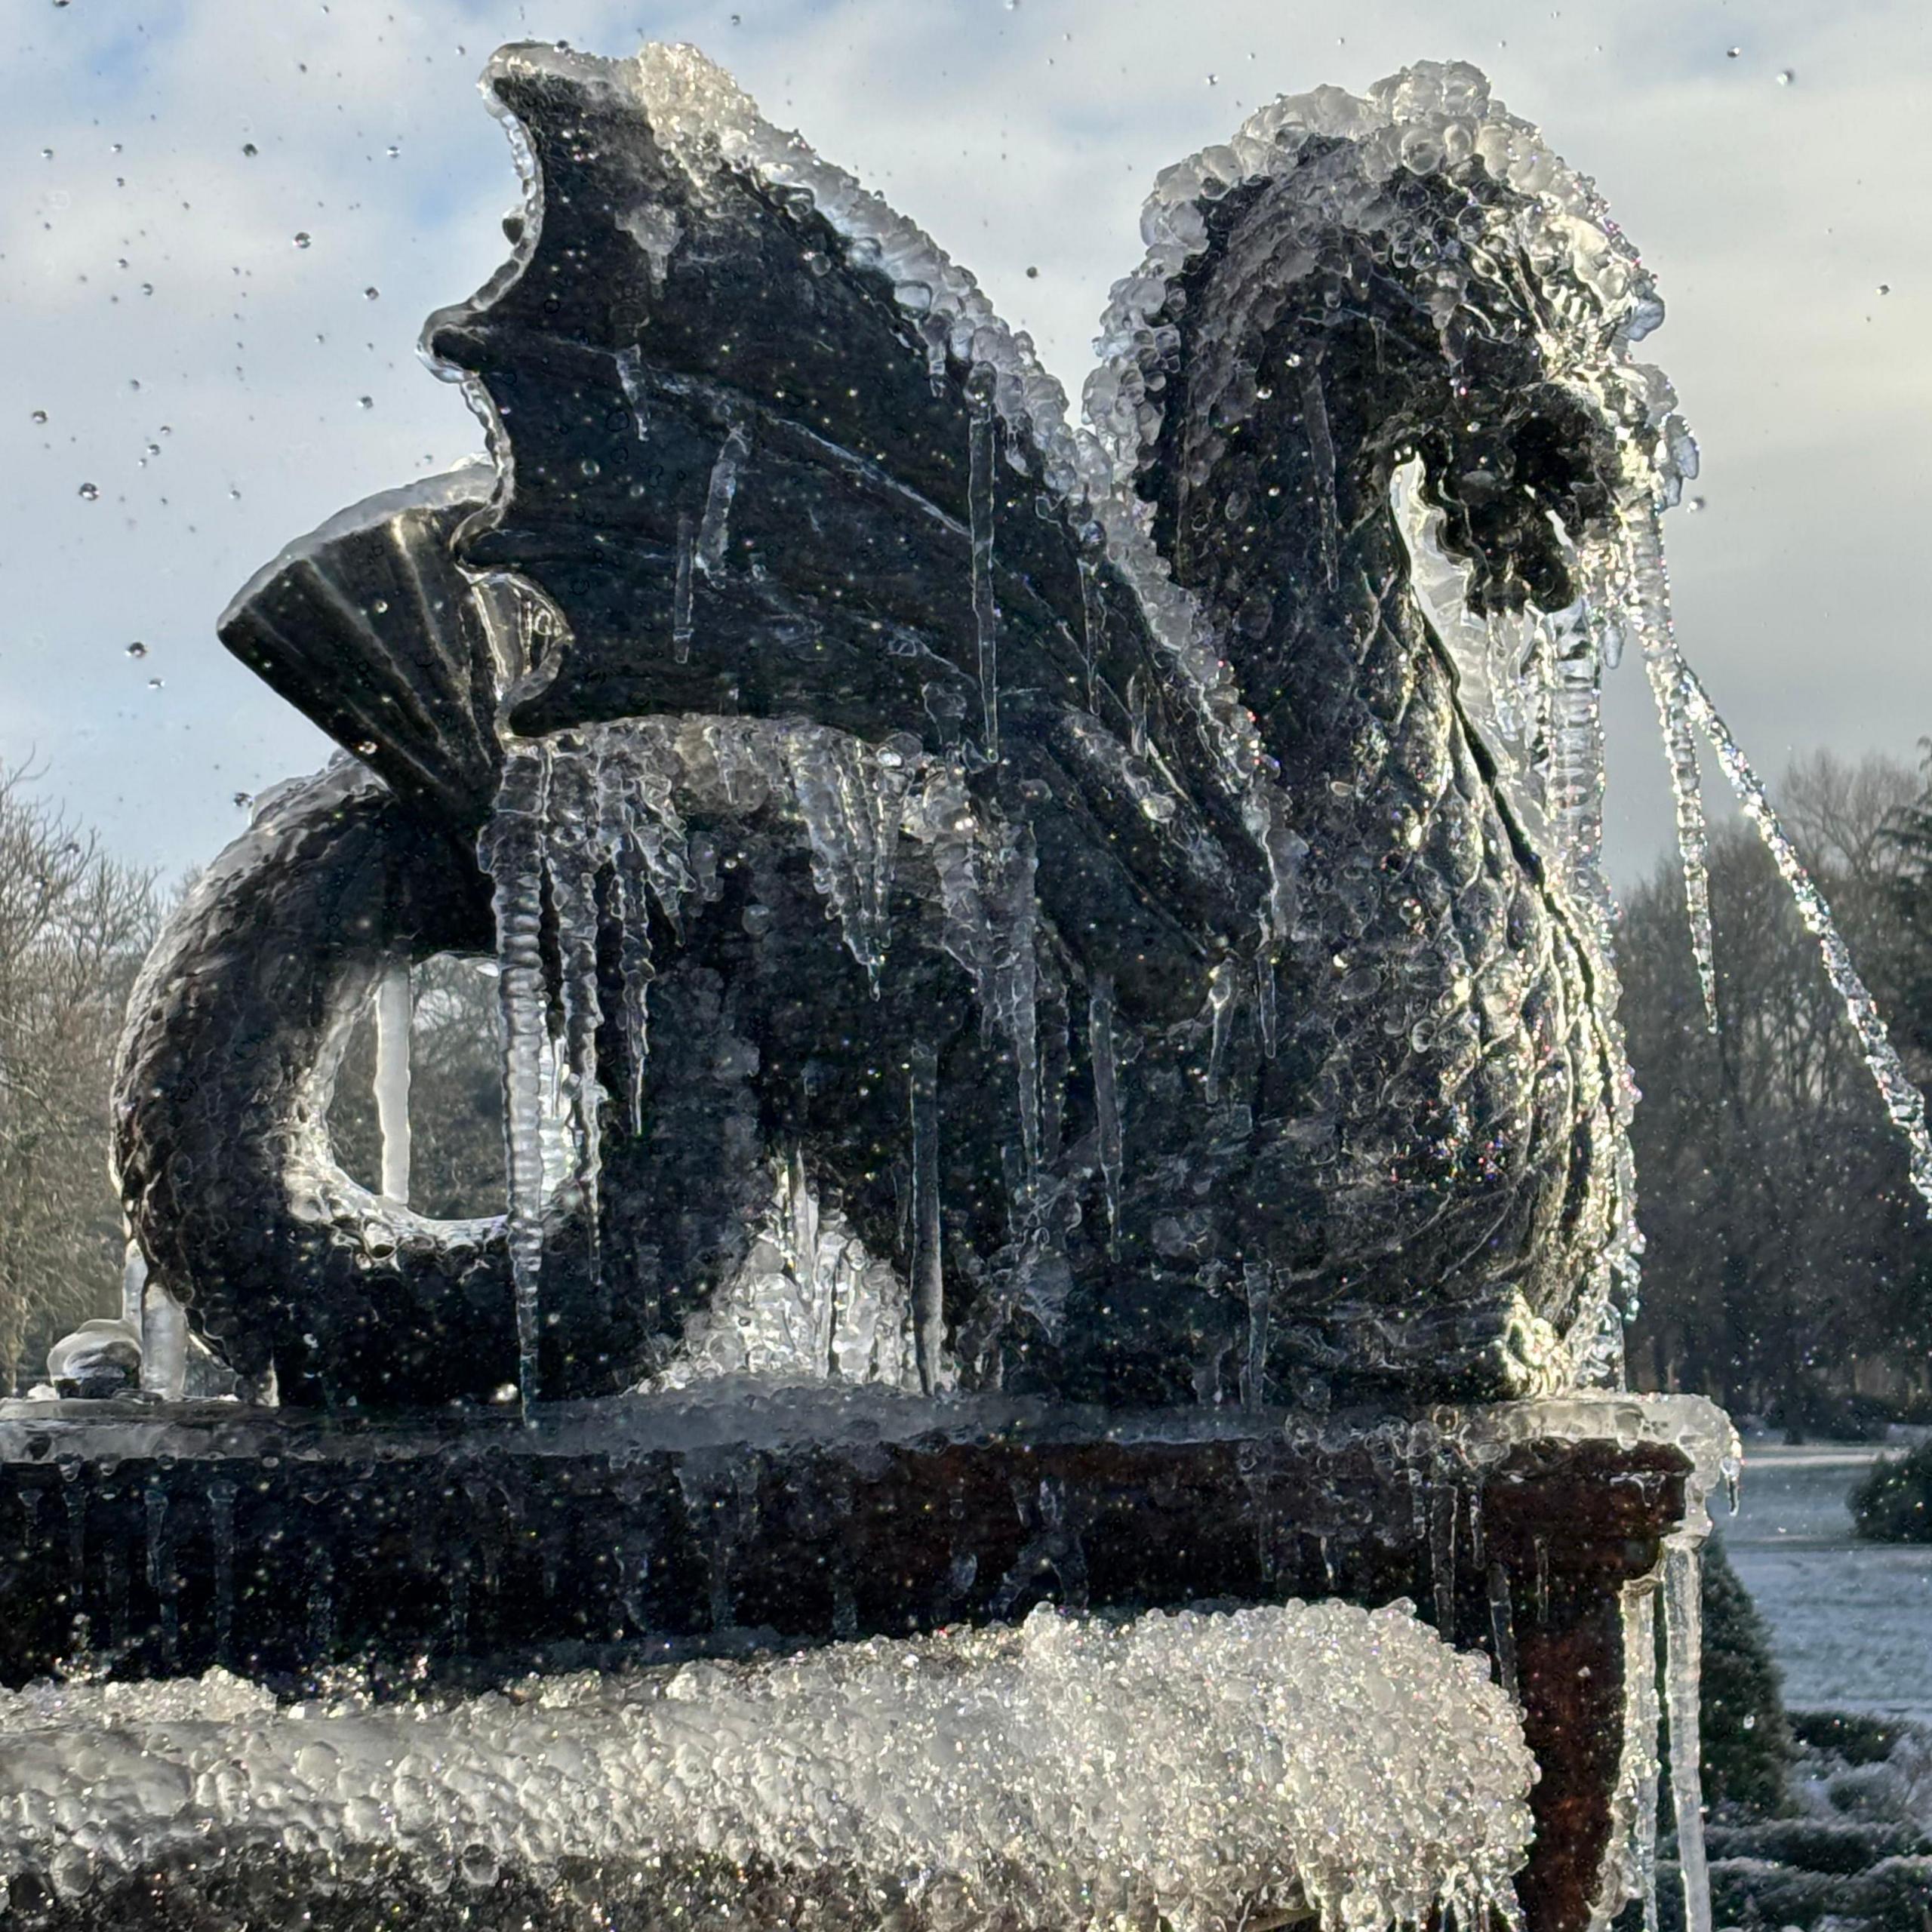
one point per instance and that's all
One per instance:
(590, 835)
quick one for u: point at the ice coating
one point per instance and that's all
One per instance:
(1206, 1767)
(808, 1304)
(1426, 117)
(704, 118)
(1535, 676)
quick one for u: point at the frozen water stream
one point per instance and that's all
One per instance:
(1851, 1622)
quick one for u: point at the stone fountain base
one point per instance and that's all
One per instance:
(140, 1540)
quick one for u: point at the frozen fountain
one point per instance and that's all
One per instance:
(1053, 1352)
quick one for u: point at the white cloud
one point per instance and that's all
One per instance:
(1022, 137)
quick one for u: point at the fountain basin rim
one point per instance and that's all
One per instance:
(740, 1413)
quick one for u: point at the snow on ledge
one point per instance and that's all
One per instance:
(1210, 1767)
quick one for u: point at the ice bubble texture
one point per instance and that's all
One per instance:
(1208, 1767)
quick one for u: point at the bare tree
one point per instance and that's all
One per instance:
(1790, 1262)
(74, 928)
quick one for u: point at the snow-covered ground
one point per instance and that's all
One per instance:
(1851, 1622)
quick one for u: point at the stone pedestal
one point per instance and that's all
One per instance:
(160, 1539)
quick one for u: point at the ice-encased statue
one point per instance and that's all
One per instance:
(1085, 942)
(1137, 880)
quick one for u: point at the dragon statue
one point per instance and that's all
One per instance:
(1137, 879)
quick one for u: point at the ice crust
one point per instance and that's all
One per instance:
(1065, 1773)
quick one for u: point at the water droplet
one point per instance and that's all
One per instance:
(245, 799)
(366, 401)
(365, 748)
(302, 237)
(1213, 80)
(1885, 288)
(46, 154)
(370, 294)
(1694, 505)
(1732, 53)
(1785, 77)
(589, 466)
(40, 416)
(234, 494)
(380, 606)
(147, 288)
(155, 683)
(736, 20)
(137, 649)
(89, 491)
(1032, 274)
(249, 150)
(393, 150)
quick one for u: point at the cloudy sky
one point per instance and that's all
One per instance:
(227, 219)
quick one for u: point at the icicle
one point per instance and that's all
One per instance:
(1502, 1632)
(1732, 1470)
(1321, 449)
(459, 1625)
(1442, 1515)
(1683, 1613)
(1257, 1278)
(853, 800)
(1574, 781)
(571, 876)
(1475, 1523)
(160, 1570)
(630, 377)
(681, 594)
(392, 1017)
(1264, 997)
(713, 531)
(1015, 979)
(1220, 1006)
(1639, 1774)
(320, 1605)
(512, 851)
(1106, 1095)
(164, 1343)
(1093, 627)
(1903, 1102)
(1541, 1545)
(928, 1281)
(221, 1534)
(934, 332)
(980, 501)
(1503, 669)
(1650, 612)
(133, 1285)
(74, 1494)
